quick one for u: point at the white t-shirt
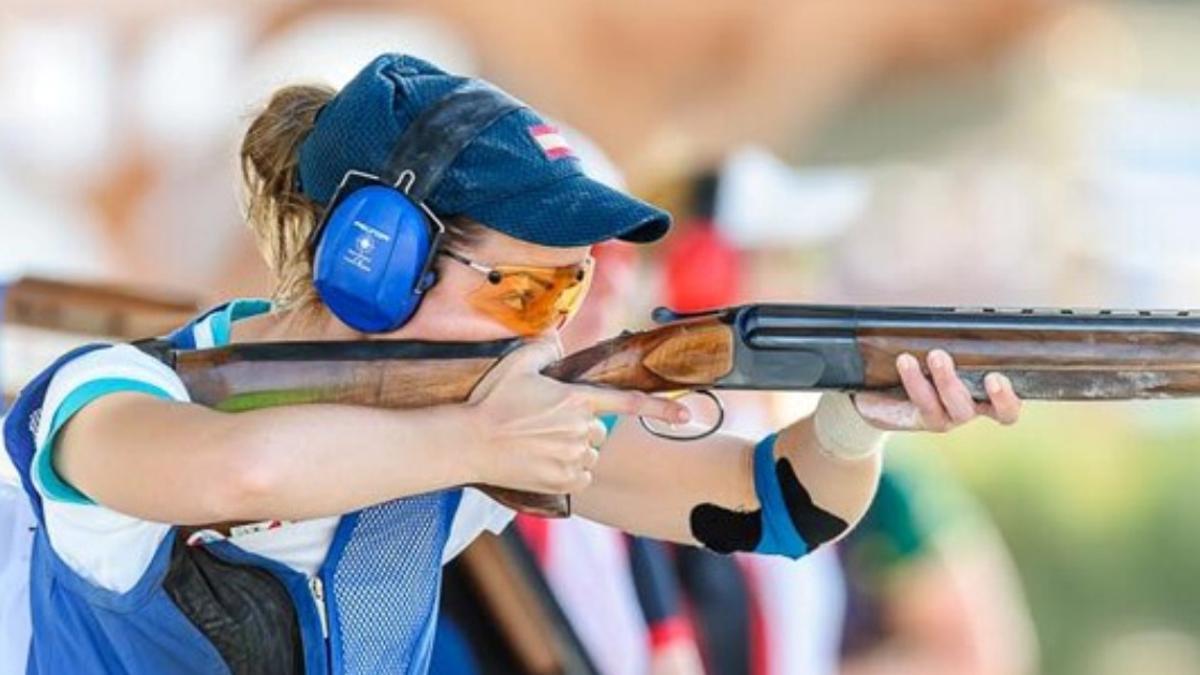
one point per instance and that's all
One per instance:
(111, 549)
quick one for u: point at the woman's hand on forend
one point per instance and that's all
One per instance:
(531, 432)
(938, 402)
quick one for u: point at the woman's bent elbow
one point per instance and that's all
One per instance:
(853, 492)
(251, 477)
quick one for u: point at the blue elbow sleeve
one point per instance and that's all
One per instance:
(779, 535)
(787, 524)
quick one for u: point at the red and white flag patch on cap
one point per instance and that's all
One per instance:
(552, 143)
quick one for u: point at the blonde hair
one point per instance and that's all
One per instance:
(282, 217)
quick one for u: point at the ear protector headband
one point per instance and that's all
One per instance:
(375, 248)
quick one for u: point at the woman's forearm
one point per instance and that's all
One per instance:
(649, 486)
(654, 487)
(310, 461)
(183, 464)
(806, 487)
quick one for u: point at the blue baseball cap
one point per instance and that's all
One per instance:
(518, 176)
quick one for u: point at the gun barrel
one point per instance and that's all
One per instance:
(1054, 354)
(783, 318)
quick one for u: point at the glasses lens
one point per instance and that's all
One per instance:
(573, 294)
(530, 300)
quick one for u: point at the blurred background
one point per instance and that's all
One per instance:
(977, 152)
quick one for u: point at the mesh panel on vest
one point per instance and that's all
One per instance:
(386, 583)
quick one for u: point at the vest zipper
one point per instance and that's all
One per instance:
(317, 589)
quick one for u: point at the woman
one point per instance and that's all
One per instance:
(353, 510)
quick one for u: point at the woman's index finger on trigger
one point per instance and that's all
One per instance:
(637, 403)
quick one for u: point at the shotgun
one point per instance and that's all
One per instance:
(1049, 354)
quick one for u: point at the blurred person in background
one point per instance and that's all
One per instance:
(753, 615)
(620, 593)
(112, 416)
(930, 585)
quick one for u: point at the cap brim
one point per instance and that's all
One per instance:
(573, 211)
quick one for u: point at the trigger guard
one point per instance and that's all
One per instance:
(711, 395)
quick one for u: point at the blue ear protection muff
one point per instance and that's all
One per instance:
(375, 248)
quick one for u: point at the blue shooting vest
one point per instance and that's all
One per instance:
(371, 609)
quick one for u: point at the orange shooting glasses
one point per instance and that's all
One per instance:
(527, 299)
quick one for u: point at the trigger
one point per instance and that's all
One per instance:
(690, 436)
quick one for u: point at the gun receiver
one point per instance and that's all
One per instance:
(1049, 354)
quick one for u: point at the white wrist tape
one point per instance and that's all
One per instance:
(841, 431)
